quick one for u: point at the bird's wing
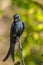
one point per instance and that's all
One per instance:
(23, 27)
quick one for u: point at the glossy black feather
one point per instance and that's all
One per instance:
(17, 29)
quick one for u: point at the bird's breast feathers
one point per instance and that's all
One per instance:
(19, 26)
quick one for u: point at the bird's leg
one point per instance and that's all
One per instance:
(20, 47)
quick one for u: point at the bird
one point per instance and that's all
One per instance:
(17, 28)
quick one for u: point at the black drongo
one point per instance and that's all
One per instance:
(17, 29)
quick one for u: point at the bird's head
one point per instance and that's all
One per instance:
(16, 17)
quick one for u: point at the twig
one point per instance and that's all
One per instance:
(20, 47)
(40, 5)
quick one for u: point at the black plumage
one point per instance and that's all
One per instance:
(17, 29)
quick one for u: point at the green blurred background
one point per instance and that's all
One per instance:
(31, 12)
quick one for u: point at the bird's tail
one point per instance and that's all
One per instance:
(10, 52)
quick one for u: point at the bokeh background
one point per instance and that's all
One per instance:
(31, 12)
